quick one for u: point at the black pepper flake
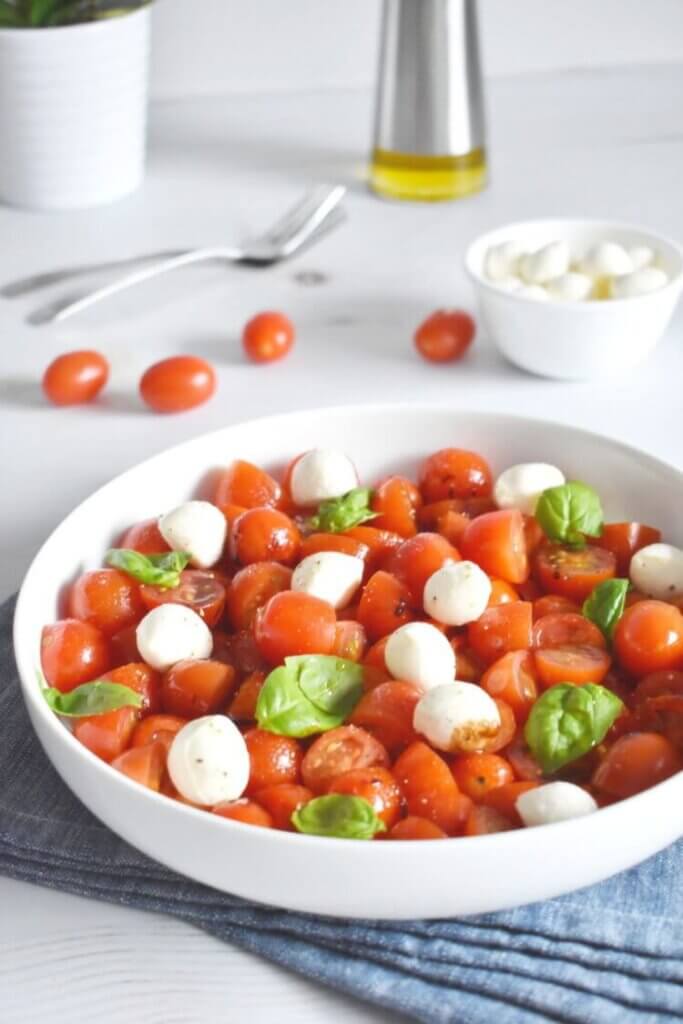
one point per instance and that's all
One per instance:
(199, 760)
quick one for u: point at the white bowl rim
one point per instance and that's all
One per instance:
(584, 306)
(30, 685)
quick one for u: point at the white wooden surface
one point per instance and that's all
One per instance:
(607, 144)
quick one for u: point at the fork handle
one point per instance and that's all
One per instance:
(46, 279)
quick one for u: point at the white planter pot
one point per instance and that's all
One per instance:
(73, 111)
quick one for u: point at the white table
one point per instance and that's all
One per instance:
(606, 144)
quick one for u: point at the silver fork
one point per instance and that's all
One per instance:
(309, 220)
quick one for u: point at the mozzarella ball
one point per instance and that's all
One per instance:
(208, 761)
(197, 527)
(657, 571)
(321, 474)
(533, 291)
(606, 259)
(172, 633)
(555, 801)
(457, 717)
(502, 261)
(419, 653)
(457, 593)
(548, 262)
(640, 282)
(641, 256)
(330, 575)
(521, 486)
(570, 287)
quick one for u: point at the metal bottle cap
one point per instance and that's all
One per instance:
(429, 99)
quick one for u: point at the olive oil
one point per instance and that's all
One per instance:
(427, 178)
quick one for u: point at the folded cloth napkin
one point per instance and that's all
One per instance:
(612, 953)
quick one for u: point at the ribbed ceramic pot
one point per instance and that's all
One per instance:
(73, 112)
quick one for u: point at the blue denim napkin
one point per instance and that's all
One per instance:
(612, 954)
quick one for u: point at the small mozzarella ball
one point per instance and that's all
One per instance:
(533, 291)
(172, 633)
(640, 282)
(419, 653)
(657, 571)
(570, 287)
(542, 266)
(556, 801)
(502, 260)
(521, 486)
(457, 593)
(197, 527)
(457, 717)
(330, 575)
(208, 761)
(508, 284)
(641, 256)
(322, 474)
(606, 259)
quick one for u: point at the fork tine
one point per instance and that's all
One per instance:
(308, 213)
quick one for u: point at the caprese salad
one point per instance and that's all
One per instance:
(413, 660)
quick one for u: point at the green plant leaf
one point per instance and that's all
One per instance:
(336, 815)
(567, 721)
(569, 513)
(339, 514)
(606, 604)
(309, 694)
(333, 684)
(159, 570)
(92, 699)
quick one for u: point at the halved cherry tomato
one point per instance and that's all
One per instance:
(649, 637)
(445, 335)
(380, 545)
(624, 539)
(345, 749)
(143, 680)
(386, 712)
(268, 337)
(502, 593)
(658, 684)
(484, 821)
(350, 640)
(107, 599)
(455, 473)
(247, 485)
(161, 728)
(107, 735)
(198, 590)
(143, 764)
(553, 604)
(123, 647)
(385, 604)
(506, 731)
(282, 801)
(561, 628)
(522, 761)
(144, 537)
(195, 688)
(246, 811)
(177, 384)
(73, 652)
(239, 650)
(317, 542)
(243, 705)
(529, 590)
(573, 573)
(636, 762)
(417, 559)
(414, 827)
(513, 679)
(476, 774)
(470, 667)
(571, 663)
(504, 799)
(376, 785)
(75, 377)
(432, 516)
(264, 535)
(273, 759)
(396, 501)
(251, 587)
(496, 541)
(429, 789)
(533, 534)
(374, 665)
(294, 623)
(501, 630)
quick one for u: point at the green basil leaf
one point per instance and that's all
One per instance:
(339, 514)
(567, 721)
(344, 817)
(333, 684)
(92, 699)
(159, 570)
(606, 604)
(569, 513)
(282, 707)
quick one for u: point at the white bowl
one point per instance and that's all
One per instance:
(333, 876)
(575, 340)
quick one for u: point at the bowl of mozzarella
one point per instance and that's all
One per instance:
(575, 299)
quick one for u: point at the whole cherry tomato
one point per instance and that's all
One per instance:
(386, 711)
(417, 559)
(445, 336)
(264, 535)
(107, 599)
(624, 539)
(636, 762)
(73, 652)
(385, 604)
(144, 537)
(455, 473)
(396, 501)
(268, 337)
(178, 384)
(649, 637)
(294, 623)
(273, 759)
(345, 749)
(247, 485)
(75, 377)
(251, 587)
(476, 774)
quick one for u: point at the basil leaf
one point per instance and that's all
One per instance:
(339, 514)
(159, 570)
(567, 721)
(333, 684)
(606, 604)
(344, 817)
(569, 513)
(92, 699)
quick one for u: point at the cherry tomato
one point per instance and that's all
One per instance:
(264, 535)
(386, 712)
(107, 735)
(282, 801)
(107, 599)
(658, 703)
(636, 762)
(429, 789)
(143, 764)
(245, 811)
(177, 384)
(502, 593)
(339, 751)
(123, 647)
(476, 774)
(294, 623)
(504, 799)
(251, 587)
(649, 637)
(561, 628)
(506, 731)
(552, 604)
(143, 680)
(396, 501)
(533, 534)
(195, 688)
(571, 663)
(273, 759)
(522, 761)
(484, 821)
(624, 539)
(268, 337)
(414, 827)
(243, 705)
(513, 679)
(350, 640)
(198, 590)
(317, 542)
(157, 728)
(374, 665)
(144, 537)
(239, 650)
(501, 630)
(431, 516)
(75, 377)
(455, 473)
(573, 573)
(385, 604)
(445, 336)
(73, 652)
(496, 542)
(247, 485)
(376, 785)
(380, 544)
(417, 559)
